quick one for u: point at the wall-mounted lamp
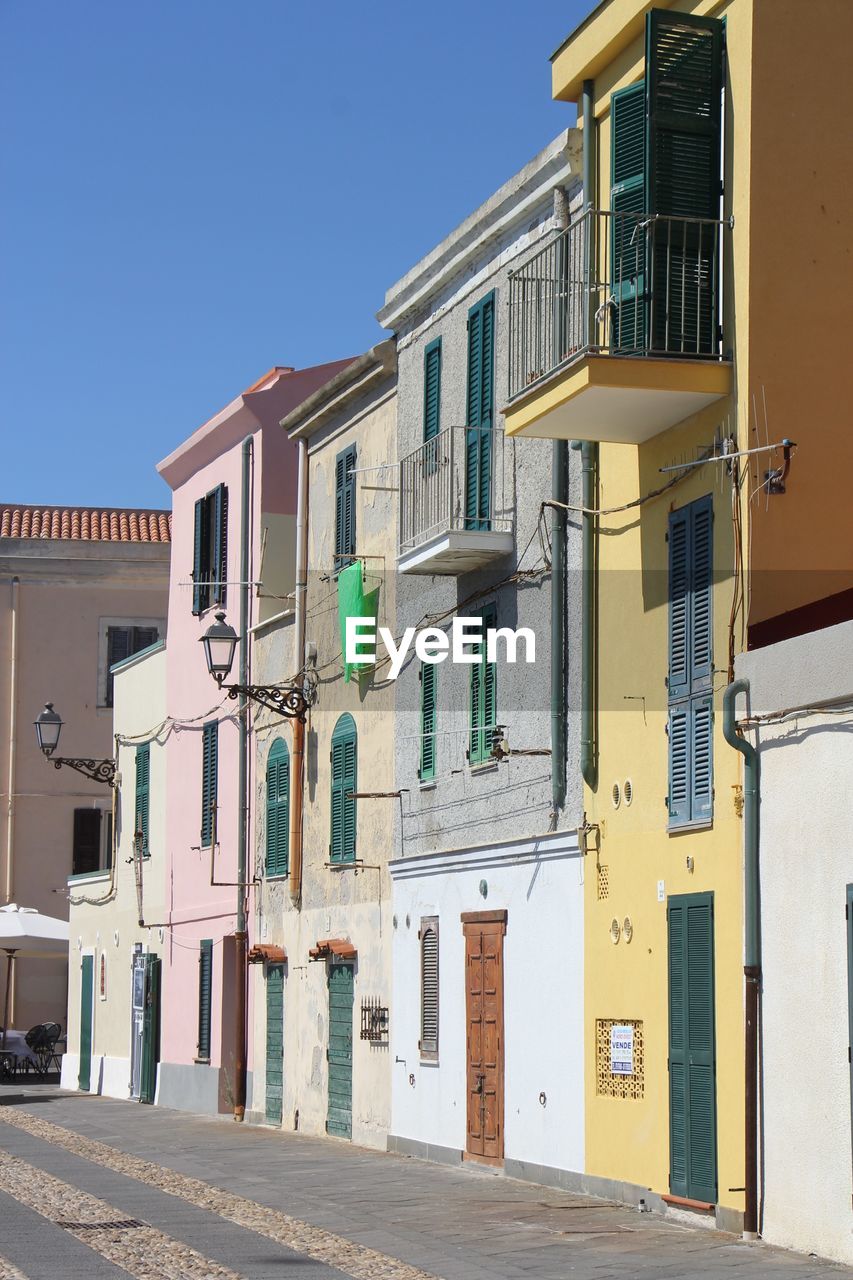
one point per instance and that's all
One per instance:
(48, 727)
(220, 641)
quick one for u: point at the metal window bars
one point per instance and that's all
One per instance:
(450, 483)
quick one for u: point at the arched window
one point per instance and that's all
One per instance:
(429, 987)
(278, 808)
(344, 768)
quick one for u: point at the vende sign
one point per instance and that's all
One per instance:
(621, 1051)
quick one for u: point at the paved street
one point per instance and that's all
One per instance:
(91, 1187)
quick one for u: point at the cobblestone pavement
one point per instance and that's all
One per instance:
(96, 1188)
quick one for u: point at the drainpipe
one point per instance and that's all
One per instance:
(298, 776)
(13, 729)
(241, 936)
(752, 949)
(559, 656)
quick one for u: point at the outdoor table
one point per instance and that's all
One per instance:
(16, 1044)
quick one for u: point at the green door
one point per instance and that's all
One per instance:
(275, 1042)
(692, 1063)
(87, 992)
(150, 1030)
(341, 987)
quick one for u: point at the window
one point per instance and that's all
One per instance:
(123, 642)
(210, 549)
(143, 777)
(345, 507)
(432, 390)
(344, 770)
(209, 762)
(483, 697)
(689, 683)
(205, 997)
(428, 1043)
(92, 848)
(429, 682)
(278, 809)
(478, 416)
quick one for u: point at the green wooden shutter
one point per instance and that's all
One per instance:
(479, 415)
(628, 205)
(483, 697)
(278, 809)
(198, 552)
(143, 787)
(344, 775)
(344, 507)
(678, 679)
(690, 724)
(432, 389)
(428, 1044)
(87, 992)
(341, 998)
(429, 682)
(209, 780)
(219, 538)
(275, 1043)
(150, 1030)
(205, 996)
(692, 1067)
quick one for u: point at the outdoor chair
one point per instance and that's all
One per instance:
(46, 1051)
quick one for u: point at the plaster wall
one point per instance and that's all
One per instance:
(806, 857)
(540, 884)
(65, 594)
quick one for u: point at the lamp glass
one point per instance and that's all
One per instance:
(220, 641)
(48, 727)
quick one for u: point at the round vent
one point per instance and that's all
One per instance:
(628, 790)
(627, 928)
(616, 795)
(614, 931)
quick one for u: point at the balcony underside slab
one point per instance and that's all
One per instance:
(459, 551)
(619, 399)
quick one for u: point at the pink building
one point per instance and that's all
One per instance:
(243, 444)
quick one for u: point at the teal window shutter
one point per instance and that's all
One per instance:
(432, 390)
(627, 202)
(429, 682)
(689, 680)
(345, 507)
(480, 414)
(344, 784)
(428, 1043)
(198, 556)
(205, 996)
(483, 696)
(122, 643)
(219, 539)
(677, 1050)
(278, 809)
(143, 787)
(209, 781)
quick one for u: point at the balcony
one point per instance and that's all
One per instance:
(448, 520)
(616, 328)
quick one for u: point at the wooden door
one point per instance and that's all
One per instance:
(341, 993)
(87, 995)
(275, 1042)
(484, 1009)
(150, 1030)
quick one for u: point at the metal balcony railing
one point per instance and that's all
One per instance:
(623, 284)
(448, 484)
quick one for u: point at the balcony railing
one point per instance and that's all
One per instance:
(621, 284)
(448, 485)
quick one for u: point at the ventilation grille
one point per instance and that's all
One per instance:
(603, 883)
(606, 1084)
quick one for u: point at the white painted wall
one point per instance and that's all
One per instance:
(806, 851)
(540, 884)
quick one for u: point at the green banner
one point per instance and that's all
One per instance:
(354, 601)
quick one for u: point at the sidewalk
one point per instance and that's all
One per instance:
(307, 1193)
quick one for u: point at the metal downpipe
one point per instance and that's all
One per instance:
(240, 935)
(560, 491)
(298, 774)
(752, 949)
(589, 488)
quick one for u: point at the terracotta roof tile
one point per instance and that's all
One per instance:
(85, 524)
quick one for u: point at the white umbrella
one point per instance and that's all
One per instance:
(27, 930)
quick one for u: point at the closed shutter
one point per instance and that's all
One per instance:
(209, 769)
(122, 643)
(429, 988)
(344, 773)
(628, 204)
(344, 507)
(677, 1052)
(483, 696)
(219, 538)
(278, 809)
(479, 415)
(86, 852)
(143, 783)
(432, 389)
(429, 682)
(205, 996)
(199, 595)
(690, 671)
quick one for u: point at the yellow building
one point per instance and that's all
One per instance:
(653, 331)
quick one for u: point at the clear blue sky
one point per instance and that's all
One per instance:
(193, 191)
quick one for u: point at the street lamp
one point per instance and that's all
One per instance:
(220, 641)
(48, 727)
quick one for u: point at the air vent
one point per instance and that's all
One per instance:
(616, 795)
(615, 930)
(627, 929)
(628, 790)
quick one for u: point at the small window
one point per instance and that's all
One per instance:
(344, 771)
(205, 997)
(86, 856)
(428, 1043)
(483, 696)
(143, 778)
(429, 683)
(123, 642)
(345, 507)
(209, 782)
(278, 809)
(210, 549)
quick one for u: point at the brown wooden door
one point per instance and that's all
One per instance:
(484, 1007)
